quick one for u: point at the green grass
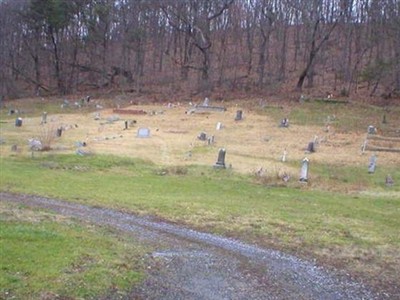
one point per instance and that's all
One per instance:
(329, 225)
(345, 117)
(42, 255)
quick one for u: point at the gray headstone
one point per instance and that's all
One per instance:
(206, 102)
(143, 132)
(311, 147)
(304, 170)
(284, 123)
(389, 180)
(202, 136)
(371, 129)
(59, 132)
(18, 122)
(44, 117)
(372, 164)
(219, 126)
(239, 115)
(221, 159)
(210, 140)
(35, 145)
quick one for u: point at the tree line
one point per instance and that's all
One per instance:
(67, 46)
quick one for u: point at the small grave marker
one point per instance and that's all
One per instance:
(219, 126)
(59, 132)
(311, 147)
(44, 118)
(239, 115)
(304, 170)
(372, 164)
(202, 136)
(371, 129)
(14, 148)
(210, 140)
(221, 159)
(283, 159)
(126, 125)
(18, 122)
(284, 123)
(389, 181)
(143, 132)
(206, 102)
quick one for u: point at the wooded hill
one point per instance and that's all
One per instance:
(344, 47)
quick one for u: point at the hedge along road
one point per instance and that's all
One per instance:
(188, 264)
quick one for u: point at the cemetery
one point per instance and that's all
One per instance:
(314, 188)
(254, 142)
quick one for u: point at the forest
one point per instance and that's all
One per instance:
(61, 47)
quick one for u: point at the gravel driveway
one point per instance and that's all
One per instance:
(193, 265)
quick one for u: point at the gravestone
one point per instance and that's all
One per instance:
(18, 122)
(97, 116)
(284, 156)
(311, 147)
(219, 126)
(14, 148)
(44, 118)
(143, 132)
(210, 140)
(206, 102)
(304, 170)
(284, 123)
(126, 125)
(389, 180)
(202, 136)
(372, 164)
(221, 159)
(371, 129)
(239, 115)
(59, 132)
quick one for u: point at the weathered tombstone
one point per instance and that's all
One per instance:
(372, 164)
(371, 129)
(126, 125)
(11, 112)
(14, 148)
(304, 170)
(210, 140)
(284, 123)
(284, 156)
(206, 102)
(389, 180)
(59, 131)
(143, 132)
(202, 136)
(221, 159)
(44, 118)
(18, 122)
(35, 145)
(311, 147)
(239, 115)
(219, 126)
(364, 146)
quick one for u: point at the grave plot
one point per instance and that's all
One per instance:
(387, 141)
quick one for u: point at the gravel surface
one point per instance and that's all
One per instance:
(193, 265)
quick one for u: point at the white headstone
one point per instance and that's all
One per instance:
(304, 170)
(143, 132)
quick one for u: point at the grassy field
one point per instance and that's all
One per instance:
(44, 256)
(343, 217)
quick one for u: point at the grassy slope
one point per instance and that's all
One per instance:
(44, 255)
(357, 231)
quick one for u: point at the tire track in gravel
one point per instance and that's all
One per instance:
(195, 265)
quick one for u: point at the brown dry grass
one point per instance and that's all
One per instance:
(252, 143)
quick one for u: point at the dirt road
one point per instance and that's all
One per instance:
(194, 265)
